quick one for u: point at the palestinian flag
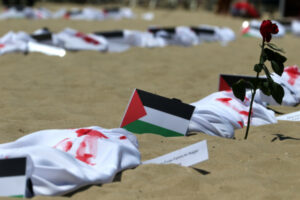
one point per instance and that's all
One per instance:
(13, 177)
(150, 113)
(227, 80)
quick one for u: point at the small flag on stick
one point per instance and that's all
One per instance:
(151, 113)
(13, 177)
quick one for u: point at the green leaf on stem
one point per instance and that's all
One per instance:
(277, 67)
(277, 92)
(239, 89)
(258, 68)
(264, 87)
(274, 47)
(272, 55)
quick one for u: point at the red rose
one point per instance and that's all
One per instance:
(266, 29)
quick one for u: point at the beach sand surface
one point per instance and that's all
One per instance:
(92, 88)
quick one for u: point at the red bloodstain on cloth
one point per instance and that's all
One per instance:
(123, 137)
(224, 100)
(88, 147)
(90, 132)
(241, 123)
(87, 38)
(244, 113)
(81, 152)
(65, 144)
(293, 74)
(2, 45)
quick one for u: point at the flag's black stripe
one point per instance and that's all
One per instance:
(74, 12)
(170, 106)
(111, 10)
(42, 37)
(111, 34)
(12, 167)
(231, 79)
(200, 31)
(170, 30)
(256, 27)
(285, 22)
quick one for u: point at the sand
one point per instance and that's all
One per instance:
(91, 88)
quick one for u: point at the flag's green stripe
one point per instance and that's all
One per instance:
(140, 127)
(17, 196)
(247, 35)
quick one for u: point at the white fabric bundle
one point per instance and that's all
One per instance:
(188, 36)
(252, 29)
(220, 113)
(118, 13)
(220, 34)
(93, 14)
(14, 42)
(295, 27)
(290, 81)
(119, 41)
(85, 14)
(64, 160)
(22, 42)
(27, 12)
(182, 36)
(291, 75)
(71, 39)
(142, 39)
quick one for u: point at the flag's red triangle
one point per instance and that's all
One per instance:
(223, 85)
(134, 111)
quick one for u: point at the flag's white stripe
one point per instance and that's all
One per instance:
(12, 185)
(165, 120)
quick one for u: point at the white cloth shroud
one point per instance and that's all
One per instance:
(89, 13)
(64, 160)
(71, 39)
(22, 42)
(221, 112)
(290, 82)
(132, 38)
(27, 12)
(14, 42)
(186, 36)
(254, 25)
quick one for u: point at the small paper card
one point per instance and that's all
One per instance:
(227, 80)
(187, 156)
(294, 116)
(151, 113)
(13, 177)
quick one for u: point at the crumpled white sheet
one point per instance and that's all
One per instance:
(74, 40)
(23, 42)
(185, 36)
(27, 12)
(64, 160)
(290, 81)
(224, 35)
(87, 13)
(295, 27)
(254, 25)
(14, 42)
(221, 112)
